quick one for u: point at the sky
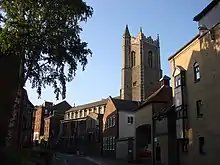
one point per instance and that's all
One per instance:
(172, 20)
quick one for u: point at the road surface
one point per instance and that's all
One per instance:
(67, 159)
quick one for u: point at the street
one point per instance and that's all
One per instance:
(67, 159)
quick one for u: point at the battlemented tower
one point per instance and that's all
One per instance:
(141, 68)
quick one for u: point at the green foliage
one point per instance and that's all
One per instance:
(45, 34)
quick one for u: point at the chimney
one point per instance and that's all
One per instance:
(165, 81)
(202, 29)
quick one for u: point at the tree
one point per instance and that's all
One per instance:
(45, 35)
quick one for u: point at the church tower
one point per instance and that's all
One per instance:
(141, 68)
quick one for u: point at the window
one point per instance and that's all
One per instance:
(113, 121)
(196, 72)
(97, 109)
(130, 120)
(201, 145)
(104, 143)
(150, 60)
(70, 115)
(177, 80)
(113, 139)
(110, 146)
(133, 58)
(107, 143)
(198, 108)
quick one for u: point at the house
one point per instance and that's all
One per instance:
(144, 128)
(93, 134)
(195, 80)
(118, 128)
(52, 122)
(73, 128)
(40, 113)
(209, 16)
(164, 135)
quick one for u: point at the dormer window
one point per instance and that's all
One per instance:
(133, 58)
(196, 72)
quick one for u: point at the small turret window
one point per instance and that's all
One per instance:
(133, 58)
(150, 60)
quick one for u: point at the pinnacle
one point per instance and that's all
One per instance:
(126, 32)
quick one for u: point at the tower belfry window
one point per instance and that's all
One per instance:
(133, 58)
(150, 60)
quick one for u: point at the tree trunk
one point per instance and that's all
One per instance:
(9, 76)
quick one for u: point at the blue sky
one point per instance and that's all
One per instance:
(172, 20)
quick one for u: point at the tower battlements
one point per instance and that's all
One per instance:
(148, 39)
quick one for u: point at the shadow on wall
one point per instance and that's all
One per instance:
(9, 72)
(206, 88)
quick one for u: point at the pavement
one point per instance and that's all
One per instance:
(68, 159)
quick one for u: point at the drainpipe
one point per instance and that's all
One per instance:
(153, 143)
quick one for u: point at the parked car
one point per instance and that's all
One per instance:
(145, 152)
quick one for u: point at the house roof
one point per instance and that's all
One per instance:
(89, 105)
(124, 105)
(210, 6)
(153, 98)
(61, 106)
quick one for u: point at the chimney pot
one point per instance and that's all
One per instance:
(165, 80)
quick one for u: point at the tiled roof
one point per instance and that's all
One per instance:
(89, 105)
(62, 106)
(124, 105)
(154, 97)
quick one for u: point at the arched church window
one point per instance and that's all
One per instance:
(133, 58)
(150, 59)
